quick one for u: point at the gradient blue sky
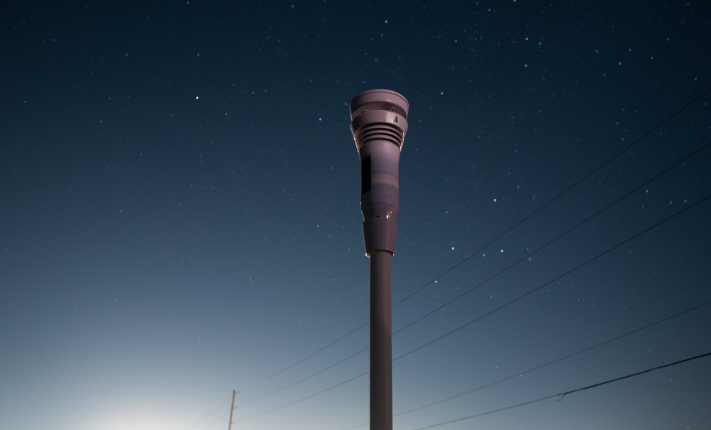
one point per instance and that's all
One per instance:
(180, 212)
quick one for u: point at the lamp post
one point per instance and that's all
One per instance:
(379, 124)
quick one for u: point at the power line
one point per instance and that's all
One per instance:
(559, 195)
(310, 376)
(561, 395)
(304, 398)
(497, 274)
(207, 415)
(588, 261)
(218, 419)
(510, 266)
(505, 269)
(307, 357)
(669, 118)
(519, 374)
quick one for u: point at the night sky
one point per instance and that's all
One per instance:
(179, 213)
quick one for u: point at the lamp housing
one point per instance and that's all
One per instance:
(379, 125)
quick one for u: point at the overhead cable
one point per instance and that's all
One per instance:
(520, 374)
(559, 195)
(208, 414)
(525, 258)
(529, 255)
(588, 261)
(215, 422)
(669, 118)
(560, 396)
(304, 398)
(309, 377)
(307, 357)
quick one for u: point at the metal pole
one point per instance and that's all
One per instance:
(232, 408)
(379, 125)
(381, 385)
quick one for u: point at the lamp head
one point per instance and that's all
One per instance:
(379, 125)
(383, 107)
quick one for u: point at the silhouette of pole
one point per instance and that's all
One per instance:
(379, 124)
(232, 409)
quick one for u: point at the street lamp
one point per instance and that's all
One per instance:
(379, 124)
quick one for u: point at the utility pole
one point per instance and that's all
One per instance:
(379, 125)
(234, 393)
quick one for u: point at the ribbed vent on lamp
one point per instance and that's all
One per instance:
(369, 132)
